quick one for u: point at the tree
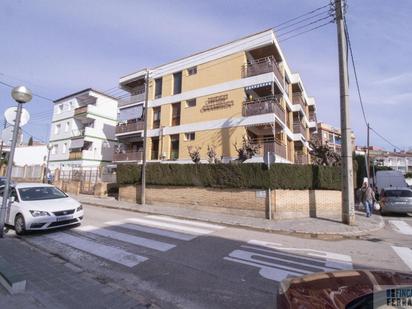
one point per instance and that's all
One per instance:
(30, 142)
(194, 153)
(212, 155)
(247, 150)
(323, 154)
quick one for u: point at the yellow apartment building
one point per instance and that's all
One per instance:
(214, 98)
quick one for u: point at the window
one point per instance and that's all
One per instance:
(191, 103)
(158, 88)
(190, 136)
(13, 193)
(192, 71)
(177, 83)
(57, 129)
(70, 106)
(156, 117)
(174, 147)
(59, 108)
(176, 114)
(66, 128)
(64, 148)
(40, 193)
(54, 149)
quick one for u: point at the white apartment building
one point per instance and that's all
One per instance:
(83, 130)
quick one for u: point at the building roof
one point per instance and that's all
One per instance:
(141, 72)
(83, 91)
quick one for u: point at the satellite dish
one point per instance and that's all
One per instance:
(139, 111)
(10, 115)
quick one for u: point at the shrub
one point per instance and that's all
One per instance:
(234, 175)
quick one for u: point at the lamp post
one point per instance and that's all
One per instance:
(21, 95)
(49, 148)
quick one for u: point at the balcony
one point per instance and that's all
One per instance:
(312, 117)
(297, 98)
(299, 128)
(128, 156)
(83, 111)
(129, 127)
(301, 158)
(264, 105)
(80, 110)
(270, 145)
(84, 154)
(262, 66)
(137, 96)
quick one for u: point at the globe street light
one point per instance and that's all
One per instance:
(21, 95)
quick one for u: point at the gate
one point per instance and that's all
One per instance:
(85, 178)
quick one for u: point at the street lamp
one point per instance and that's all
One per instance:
(21, 95)
(49, 148)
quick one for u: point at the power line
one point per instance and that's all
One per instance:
(34, 94)
(306, 31)
(303, 20)
(385, 139)
(304, 26)
(303, 15)
(355, 73)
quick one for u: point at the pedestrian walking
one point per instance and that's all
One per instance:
(367, 198)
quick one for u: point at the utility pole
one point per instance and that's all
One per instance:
(368, 165)
(348, 205)
(146, 103)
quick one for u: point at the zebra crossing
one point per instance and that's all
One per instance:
(138, 232)
(404, 253)
(276, 262)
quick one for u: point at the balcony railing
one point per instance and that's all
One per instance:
(80, 110)
(298, 99)
(128, 156)
(312, 117)
(262, 66)
(75, 155)
(270, 145)
(136, 97)
(129, 127)
(264, 105)
(299, 128)
(301, 158)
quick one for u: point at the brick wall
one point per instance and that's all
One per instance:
(306, 203)
(285, 203)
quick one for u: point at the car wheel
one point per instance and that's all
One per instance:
(19, 225)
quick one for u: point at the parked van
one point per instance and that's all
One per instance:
(387, 179)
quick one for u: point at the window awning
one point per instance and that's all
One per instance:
(77, 143)
(258, 85)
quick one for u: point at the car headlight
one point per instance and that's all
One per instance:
(79, 208)
(39, 213)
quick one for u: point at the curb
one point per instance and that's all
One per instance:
(299, 233)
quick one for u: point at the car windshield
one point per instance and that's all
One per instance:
(398, 193)
(40, 193)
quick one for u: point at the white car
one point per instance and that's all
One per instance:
(37, 206)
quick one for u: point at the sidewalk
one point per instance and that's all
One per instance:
(54, 283)
(313, 227)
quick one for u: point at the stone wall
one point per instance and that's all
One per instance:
(253, 203)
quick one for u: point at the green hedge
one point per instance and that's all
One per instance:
(253, 176)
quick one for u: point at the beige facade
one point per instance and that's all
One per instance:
(327, 134)
(215, 98)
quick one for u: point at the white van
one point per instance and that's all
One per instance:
(387, 179)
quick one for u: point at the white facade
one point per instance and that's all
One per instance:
(82, 132)
(30, 155)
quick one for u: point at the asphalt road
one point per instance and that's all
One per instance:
(191, 264)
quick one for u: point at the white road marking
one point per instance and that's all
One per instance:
(405, 254)
(178, 227)
(278, 262)
(135, 240)
(151, 230)
(188, 222)
(401, 227)
(107, 252)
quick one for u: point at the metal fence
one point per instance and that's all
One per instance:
(33, 172)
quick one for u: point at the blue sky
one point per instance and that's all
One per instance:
(57, 47)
